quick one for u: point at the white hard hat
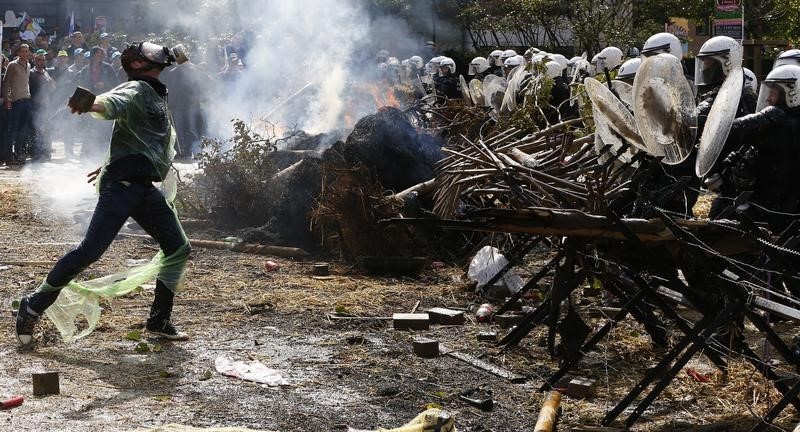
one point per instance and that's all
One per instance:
(661, 43)
(629, 68)
(393, 62)
(417, 61)
(437, 60)
(716, 59)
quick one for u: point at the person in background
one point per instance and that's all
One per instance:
(17, 102)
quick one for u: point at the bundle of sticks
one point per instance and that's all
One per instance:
(512, 169)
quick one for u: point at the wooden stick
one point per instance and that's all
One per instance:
(255, 249)
(549, 413)
(28, 263)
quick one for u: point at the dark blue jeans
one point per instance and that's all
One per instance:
(118, 201)
(19, 129)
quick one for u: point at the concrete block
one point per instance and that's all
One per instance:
(488, 336)
(581, 388)
(446, 316)
(508, 320)
(426, 348)
(407, 321)
(45, 383)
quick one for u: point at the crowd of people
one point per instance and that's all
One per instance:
(38, 77)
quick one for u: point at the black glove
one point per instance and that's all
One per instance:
(82, 100)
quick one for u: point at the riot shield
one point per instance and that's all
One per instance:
(494, 89)
(476, 90)
(603, 135)
(465, 93)
(664, 108)
(624, 91)
(719, 122)
(617, 116)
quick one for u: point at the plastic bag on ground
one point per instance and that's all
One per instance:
(254, 371)
(486, 263)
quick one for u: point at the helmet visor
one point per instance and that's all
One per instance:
(771, 94)
(156, 53)
(708, 70)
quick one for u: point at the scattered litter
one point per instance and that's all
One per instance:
(11, 402)
(4, 267)
(136, 262)
(437, 265)
(697, 376)
(271, 266)
(481, 399)
(484, 312)
(254, 371)
(487, 263)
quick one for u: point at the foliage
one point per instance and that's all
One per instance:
(236, 177)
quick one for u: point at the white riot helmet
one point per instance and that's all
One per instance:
(478, 65)
(574, 64)
(782, 85)
(507, 54)
(522, 60)
(592, 69)
(393, 62)
(663, 43)
(716, 59)
(416, 61)
(538, 58)
(629, 68)
(494, 57)
(609, 58)
(560, 59)
(791, 57)
(750, 79)
(510, 64)
(553, 69)
(447, 62)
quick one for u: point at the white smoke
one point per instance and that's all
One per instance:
(329, 44)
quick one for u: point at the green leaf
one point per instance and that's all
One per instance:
(15, 304)
(142, 347)
(135, 336)
(164, 374)
(206, 376)
(157, 348)
(341, 310)
(433, 405)
(162, 398)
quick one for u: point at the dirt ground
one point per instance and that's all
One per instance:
(360, 373)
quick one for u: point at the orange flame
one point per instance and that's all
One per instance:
(384, 96)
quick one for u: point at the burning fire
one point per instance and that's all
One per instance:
(384, 96)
